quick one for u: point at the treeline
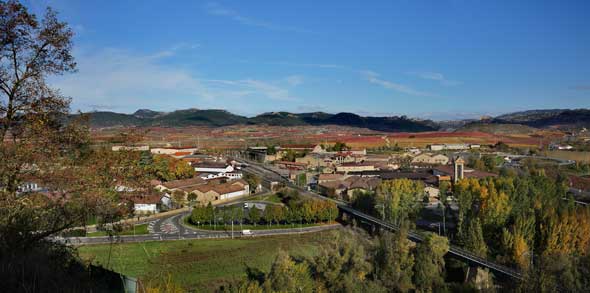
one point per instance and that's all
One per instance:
(353, 262)
(295, 212)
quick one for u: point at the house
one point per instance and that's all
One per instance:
(436, 147)
(355, 167)
(345, 186)
(148, 204)
(322, 178)
(177, 184)
(430, 159)
(220, 192)
(213, 167)
(117, 148)
(361, 184)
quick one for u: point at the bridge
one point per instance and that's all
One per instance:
(269, 175)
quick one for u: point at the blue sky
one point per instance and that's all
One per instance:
(439, 59)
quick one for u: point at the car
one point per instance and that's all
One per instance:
(247, 232)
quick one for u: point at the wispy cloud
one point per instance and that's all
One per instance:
(312, 65)
(121, 80)
(374, 78)
(436, 77)
(217, 9)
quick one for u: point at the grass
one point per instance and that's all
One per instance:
(139, 230)
(201, 265)
(273, 197)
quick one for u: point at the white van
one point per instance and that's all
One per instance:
(246, 232)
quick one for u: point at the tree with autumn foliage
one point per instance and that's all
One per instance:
(39, 143)
(402, 199)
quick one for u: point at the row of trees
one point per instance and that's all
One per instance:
(307, 211)
(352, 262)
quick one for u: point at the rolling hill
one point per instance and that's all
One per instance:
(215, 118)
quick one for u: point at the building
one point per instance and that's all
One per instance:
(117, 148)
(355, 167)
(149, 204)
(291, 165)
(213, 167)
(458, 171)
(172, 150)
(177, 184)
(430, 159)
(219, 192)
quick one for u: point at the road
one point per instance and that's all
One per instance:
(172, 228)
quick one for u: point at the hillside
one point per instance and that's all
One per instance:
(196, 117)
(547, 118)
(497, 128)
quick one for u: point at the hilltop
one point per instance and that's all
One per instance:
(216, 118)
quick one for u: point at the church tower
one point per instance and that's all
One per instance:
(458, 166)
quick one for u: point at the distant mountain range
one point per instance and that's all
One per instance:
(216, 118)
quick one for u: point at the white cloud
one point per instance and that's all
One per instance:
(436, 77)
(374, 78)
(124, 81)
(214, 8)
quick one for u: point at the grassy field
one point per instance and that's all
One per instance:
(201, 265)
(273, 197)
(139, 229)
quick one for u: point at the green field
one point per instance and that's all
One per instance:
(139, 230)
(273, 197)
(201, 265)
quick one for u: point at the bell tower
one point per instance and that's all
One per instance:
(458, 166)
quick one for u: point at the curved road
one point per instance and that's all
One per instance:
(172, 228)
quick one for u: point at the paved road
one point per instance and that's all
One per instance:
(196, 234)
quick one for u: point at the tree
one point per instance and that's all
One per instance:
(40, 142)
(430, 264)
(254, 215)
(252, 180)
(287, 276)
(395, 261)
(179, 197)
(474, 241)
(343, 264)
(403, 197)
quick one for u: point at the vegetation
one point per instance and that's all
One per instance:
(200, 265)
(296, 210)
(35, 144)
(165, 168)
(351, 262)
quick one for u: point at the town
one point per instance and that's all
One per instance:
(294, 146)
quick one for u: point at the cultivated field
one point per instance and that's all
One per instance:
(240, 136)
(569, 155)
(200, 265)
